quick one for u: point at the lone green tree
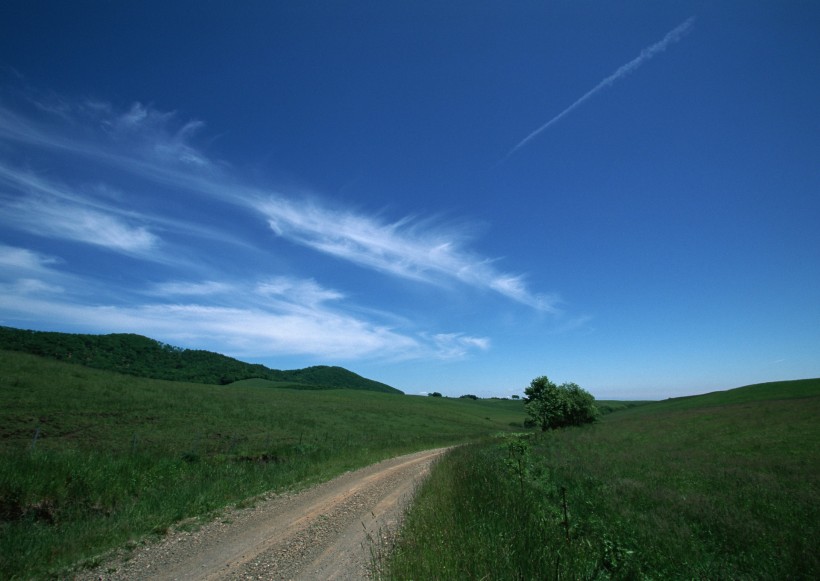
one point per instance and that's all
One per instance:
(557, 406)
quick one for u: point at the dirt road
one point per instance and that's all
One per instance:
(325, 532)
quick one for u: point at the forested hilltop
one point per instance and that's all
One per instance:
(144, 357)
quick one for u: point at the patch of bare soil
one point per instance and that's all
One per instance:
(329, 531)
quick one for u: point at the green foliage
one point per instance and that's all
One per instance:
(518, 459)
(434, 394)
(143, 357)
(709, 491)
(333, 377)
(557, 406)
(91, 460)
(470, 520)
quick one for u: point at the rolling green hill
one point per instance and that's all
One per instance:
(608, 406)
(143, 357)
(772, 391)
(91, 459)
(716, 486)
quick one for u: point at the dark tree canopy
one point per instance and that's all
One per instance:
(557, 406)
(144, 357)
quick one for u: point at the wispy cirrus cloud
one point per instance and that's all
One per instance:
(404, 248)
(45, 209)
(458, 345)
(237, 331)
(281, 315)
(17, 260)
(155, 146)
(192, 289)
(304, 291)
(29, 287)
(25, 273)
(60, 220)
(135, 137)
(149, 131)
(647, 53)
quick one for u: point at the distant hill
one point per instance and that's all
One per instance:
(772, 391)
(607, 406)
(144, 357)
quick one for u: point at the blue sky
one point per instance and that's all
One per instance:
(443, 196)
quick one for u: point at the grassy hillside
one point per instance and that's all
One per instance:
(608, 406)
(143, 357)
(91, 459)
(719, 486)
(773, 391)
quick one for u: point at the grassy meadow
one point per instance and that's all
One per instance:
(720, 486)
(91, 460)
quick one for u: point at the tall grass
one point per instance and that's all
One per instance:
(725, 491)
(91, 460)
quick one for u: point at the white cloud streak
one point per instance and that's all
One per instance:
(671, 37)
(44, 209)
(137, 137)
(458, 345)
(203, 307)
(148, 128)
(54, 219)
(308, 292)
(237, 331)
(402, 248)
(141, 142)
(14, 259)
(196, 289)
(281, 316)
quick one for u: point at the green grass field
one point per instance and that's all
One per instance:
(720, 486)
(91, 460)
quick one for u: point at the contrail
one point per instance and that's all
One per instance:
(671, 37)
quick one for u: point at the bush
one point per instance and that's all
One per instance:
(557, 406)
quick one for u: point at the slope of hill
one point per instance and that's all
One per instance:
(91, 459)
(317, 377)
(144, 357)
(773, 391)
(335, 377)
(608, 406)
(716, 486)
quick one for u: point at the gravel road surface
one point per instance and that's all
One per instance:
(328, 531)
